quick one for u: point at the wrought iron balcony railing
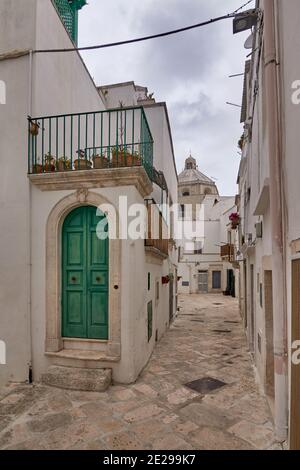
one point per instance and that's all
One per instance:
(227, 251)
(113, 138)
(157, 231)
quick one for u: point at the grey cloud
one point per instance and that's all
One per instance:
(189, 71)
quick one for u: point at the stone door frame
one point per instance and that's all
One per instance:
(54, 341)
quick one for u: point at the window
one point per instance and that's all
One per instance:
(216, 280)
(185, 193)
(198, 247)
(150, 320)
(181, 211)
(149, 281)
(157, 291)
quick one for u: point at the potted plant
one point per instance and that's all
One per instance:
(37, 167)
(123, 158)
(63, 164)
(235, 220)
(49, 165)
(82, 163)
(100, 160)
(133, 159)
(34, 128)
(165, 279)
(119, 156)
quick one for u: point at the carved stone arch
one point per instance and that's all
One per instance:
(54, 342)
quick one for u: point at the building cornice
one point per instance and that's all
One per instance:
(95, 178)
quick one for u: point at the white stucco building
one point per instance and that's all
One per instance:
(67, 298)
(205, 256)
(269, 210)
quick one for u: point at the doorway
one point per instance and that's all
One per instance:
(171, 300)
(295, 369)
(203, 282)
(268, 303)
(85, 260)
(252, 307)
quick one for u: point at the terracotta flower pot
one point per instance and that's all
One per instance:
(118, 159)
(125, 159)
(37, 168)
(34, 128)
(63, 166)
(49, 167)
(81, 164)
(100, 161)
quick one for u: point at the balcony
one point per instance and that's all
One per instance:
(102, 142)
(227, 252)
(157, 239)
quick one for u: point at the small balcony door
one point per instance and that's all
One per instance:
(84, 276)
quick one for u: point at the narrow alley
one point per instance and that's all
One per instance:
(159, 411)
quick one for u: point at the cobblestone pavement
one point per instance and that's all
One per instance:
(158, 411)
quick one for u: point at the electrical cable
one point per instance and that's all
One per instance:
(146, 38)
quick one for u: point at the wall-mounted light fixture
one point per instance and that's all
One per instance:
(245, 20)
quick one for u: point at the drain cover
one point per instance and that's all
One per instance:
(205, 385)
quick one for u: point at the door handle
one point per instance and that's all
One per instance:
(73, 279)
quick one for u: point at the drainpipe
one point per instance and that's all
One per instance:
(29, 231)
(276, 208)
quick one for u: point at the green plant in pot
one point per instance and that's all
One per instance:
(100, 160)
(82, 163)
(49, 163)
(63, 164)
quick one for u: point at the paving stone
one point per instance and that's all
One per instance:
(124, 395)
(257, 435)
(146, 390)
(206, 415)
(171, 442)
(142, 413)
(182, 395)
(124, 441)
(210, 438)
(158, 411)
(49, 422)
(185, 427)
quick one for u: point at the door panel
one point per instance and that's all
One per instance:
(97, 321)
(84, 276)
(203, 282)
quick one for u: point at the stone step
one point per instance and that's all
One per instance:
(78, 378)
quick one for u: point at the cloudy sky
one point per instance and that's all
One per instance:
(189, 71)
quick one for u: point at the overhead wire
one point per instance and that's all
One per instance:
(145, 38)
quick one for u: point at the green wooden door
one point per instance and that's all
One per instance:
(84, 276)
